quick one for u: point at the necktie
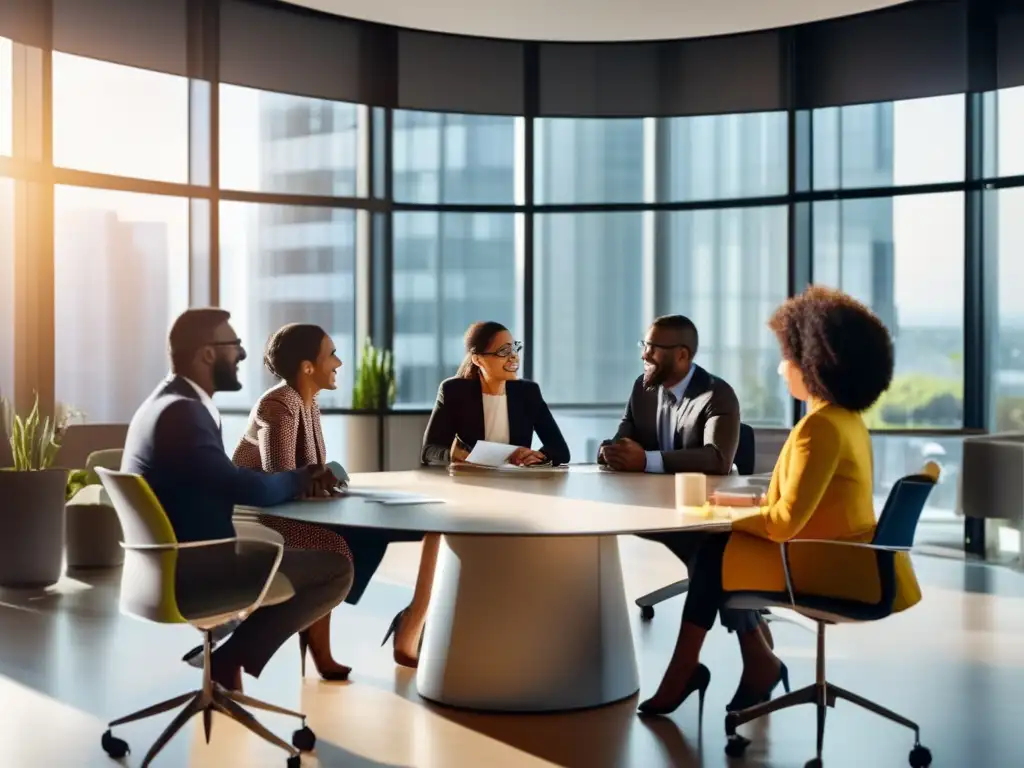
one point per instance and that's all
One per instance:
(666, 420)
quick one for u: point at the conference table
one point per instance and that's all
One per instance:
(528, 611)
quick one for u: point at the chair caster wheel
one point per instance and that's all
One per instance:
(920, 757)
(736, 745)
(647, 612)
(113, 746)
(294, 762)
(304, 739)
(814, 762)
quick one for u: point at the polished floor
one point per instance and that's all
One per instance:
(955, 663)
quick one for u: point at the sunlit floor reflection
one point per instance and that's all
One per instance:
(69, 661)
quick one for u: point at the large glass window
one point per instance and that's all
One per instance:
(903, 256)
(918, 141)
(275, 142)
(283, 264)
(450, 270)
(6, 97)
(109, 118)
(121, 276)
(584, 160)
(1005, 307)
(589, 305)
(7, 292)
(1009, 159)
(721, 157)
(585, 428)
(727, 270)
(897, 456)
(442, 158)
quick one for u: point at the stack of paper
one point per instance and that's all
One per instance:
(496, 456)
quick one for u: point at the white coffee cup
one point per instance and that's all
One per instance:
(691, 489)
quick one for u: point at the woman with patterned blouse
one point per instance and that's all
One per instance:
(284, 432)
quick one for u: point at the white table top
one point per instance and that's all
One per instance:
(582, 501)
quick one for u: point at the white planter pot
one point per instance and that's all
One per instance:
(360, 443)
(92, 531)
(32, 527)
(404, 440)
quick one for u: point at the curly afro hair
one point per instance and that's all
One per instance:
(291, 346)
(840, 346)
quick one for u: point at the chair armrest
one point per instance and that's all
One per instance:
(251, 529)
(246, 567)
(784, 549)
(859, 544)
(176, 545)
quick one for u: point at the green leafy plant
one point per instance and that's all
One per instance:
(34, 440)
(375, 384)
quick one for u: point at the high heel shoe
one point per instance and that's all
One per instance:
(402, 658)
(699, 681)
(338, 674)
(746, 698)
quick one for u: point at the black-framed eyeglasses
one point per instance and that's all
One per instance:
(645, 345)
(232, 343)
(506, 350)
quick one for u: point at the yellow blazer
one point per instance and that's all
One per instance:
(821, 489)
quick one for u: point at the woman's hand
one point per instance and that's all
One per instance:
(458, 452)
(525, 457)
(321, 482)
(727, 499)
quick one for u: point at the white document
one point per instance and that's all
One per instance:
(379, 494)
(404, 502)
(490, 454)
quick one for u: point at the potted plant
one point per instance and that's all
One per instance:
(32, 495)
(373, 394)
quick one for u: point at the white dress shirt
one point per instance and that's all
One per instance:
(496, 419)
(206, 400)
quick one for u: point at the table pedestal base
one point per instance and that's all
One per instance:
(528, 624)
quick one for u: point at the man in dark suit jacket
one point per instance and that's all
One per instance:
(679, 418)
(174, 442)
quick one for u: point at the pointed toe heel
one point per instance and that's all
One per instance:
(699, 681)
(746, 698)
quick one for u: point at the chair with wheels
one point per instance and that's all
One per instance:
(894, 533)
(746, 452)
(168, 582)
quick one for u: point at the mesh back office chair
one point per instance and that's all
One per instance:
(167, 582)
(746, 452)
(894, 533)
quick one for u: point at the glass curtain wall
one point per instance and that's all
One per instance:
(411, 225)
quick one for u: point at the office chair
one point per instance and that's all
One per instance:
(744, 461)
(156, 586)
(894, 533)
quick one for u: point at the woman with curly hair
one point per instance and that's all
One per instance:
(837, 357)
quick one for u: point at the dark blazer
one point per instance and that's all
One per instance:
(175, 444)
(707, 426)
(459, 410)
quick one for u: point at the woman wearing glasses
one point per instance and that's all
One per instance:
(486, 400)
